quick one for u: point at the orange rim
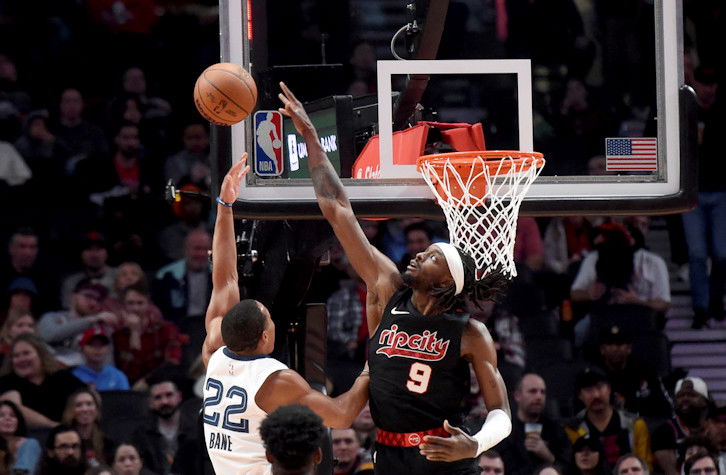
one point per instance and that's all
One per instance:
(492, 159)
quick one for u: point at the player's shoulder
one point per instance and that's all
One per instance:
(476, 329)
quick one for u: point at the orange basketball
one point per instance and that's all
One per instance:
(225, 93)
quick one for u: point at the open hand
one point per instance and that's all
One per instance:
(294, 109)
(449, 449)
(229, 191)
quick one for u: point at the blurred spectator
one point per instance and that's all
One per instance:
(535, 439)
(23, 250)
(588, 457)
(96, 348)
(490, 463)
(704, 225)
(293, 439)
(11, 89)
(29, 376)
(25, 452)
(692, 444)
(191, 164)
(630, 464)
(62, 329)
(127, 460)
(190, 214)
(83, 412)
(127, 172)
(691, 409)
(14, 171)
(363, 62)
(160, 437)
(127, 274)
(619, 432)
(365, 428)
(182, 288)
(636, 387)
(347, 331)
(94, 257)
(145, 341)
(44, 154)
(418, 238)
(716, 431)
(81, 138)
(528, 246)
(21, 295)
(63, 453)
(566, 242)
(134, 82)
(16, 323)
(617, 273)
(504, 328)
(701, 463)
(347, 451)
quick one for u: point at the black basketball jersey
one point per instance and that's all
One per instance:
(418, 377)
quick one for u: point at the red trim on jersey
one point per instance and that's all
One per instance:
(407, 439)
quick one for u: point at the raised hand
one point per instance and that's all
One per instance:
(449, 449)
(294, 109)
(229, 191)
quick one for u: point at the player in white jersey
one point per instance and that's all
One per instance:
(243, 382)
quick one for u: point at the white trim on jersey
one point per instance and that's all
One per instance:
(231, 416)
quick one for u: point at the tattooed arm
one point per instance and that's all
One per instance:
(377, 270)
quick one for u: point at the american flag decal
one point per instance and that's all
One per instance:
(631, 154)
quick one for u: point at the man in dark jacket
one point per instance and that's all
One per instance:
(536, 439)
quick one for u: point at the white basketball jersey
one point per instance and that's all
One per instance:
(231, 417)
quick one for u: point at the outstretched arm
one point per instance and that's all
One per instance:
(288, 387)
(225, 286)
(377, 270)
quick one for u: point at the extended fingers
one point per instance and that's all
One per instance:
(287, 92)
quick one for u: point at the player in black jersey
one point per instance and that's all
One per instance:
(420, 348)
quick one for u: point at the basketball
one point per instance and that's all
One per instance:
(225, 93)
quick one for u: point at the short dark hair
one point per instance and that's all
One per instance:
(700, 454)
(60, 429)
(242, 326)
(292, 434)
(22, 429)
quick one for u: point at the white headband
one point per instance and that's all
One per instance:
(456, 267)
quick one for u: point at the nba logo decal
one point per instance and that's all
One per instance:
(268, 143)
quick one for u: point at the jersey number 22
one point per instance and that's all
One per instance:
(211, 401)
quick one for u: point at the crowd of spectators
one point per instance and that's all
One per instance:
(104, 285)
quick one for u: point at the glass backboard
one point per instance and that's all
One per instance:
(600, 92)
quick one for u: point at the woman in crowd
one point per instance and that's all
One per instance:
(588, 457)
(24, 452)
(700, 463)
(146, 340)
(127, 461)
(83, 411)
(34, 381)
(16, 324)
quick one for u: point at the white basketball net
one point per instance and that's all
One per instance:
(483, 227)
